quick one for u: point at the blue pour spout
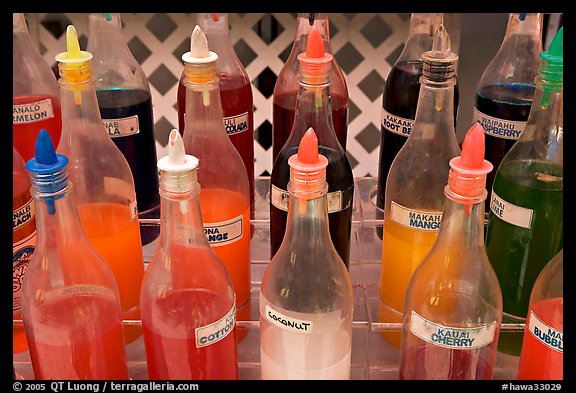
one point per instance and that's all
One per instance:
(48, 170)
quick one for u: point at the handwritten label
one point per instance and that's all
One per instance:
(500, 128)
(288, 323)
(236, 124)
(396, 124)
(337, 200)
(224, 232)
(23, 215)
(547, 335)
(451, 337)
(121, 127)
(32, 112)
(428, 221)
(211, 334)
(512, 214)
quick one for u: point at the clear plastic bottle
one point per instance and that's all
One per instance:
(313, 109)
(506, 88)
(235, 92)
(415, 187)
(104, 191)
(187, 298)
(125, 104)
(287, 85)
(225, 194)
(35, 95)
(306, 298)
(526, 222)
(453, 308)
(70, 302)
(23, 241)
(542, 355)
(400, 97)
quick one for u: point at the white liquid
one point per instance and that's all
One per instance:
(322, 353)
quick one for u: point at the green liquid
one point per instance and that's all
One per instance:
(518, 254)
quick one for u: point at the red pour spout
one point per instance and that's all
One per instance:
(308, 148)
(315, 44)
(472, 156)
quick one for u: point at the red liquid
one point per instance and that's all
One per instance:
(169, 336)
(537, 360)
(236, 98)
(77, 337)
(25, 134)
(283, 110)
(432, 362)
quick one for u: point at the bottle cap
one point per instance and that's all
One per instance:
(552, 64)
(200, 62)
(315, 62)
(178, 170)
(308, 167)
(74, 64)
(467, 178)
(439, 64)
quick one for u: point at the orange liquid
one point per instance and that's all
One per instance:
(219, 205)
(117, 239)
(403, 249)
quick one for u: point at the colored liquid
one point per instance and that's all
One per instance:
(506, 102)
(519, 254)
(538, 361)
(117, 239)
(218, 205)
(400, 98)
(431, 362)
(402, 251)
(284, 109)
(339, 178)
(322, 354)
(139, 149)
(24, 134)
(77, 337)
(236, 99)
(169, 333)
(23, 247)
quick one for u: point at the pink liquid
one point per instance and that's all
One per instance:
(25, 133)
(77, 337)
(432, 362)
(169, 335)
(537, 360)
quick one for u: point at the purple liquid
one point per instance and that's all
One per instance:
(139, 149)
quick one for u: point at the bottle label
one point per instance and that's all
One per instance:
(288, 323)
(211, 334)
(79, 290)
(499, 128)
(224, 232)
(547, 335)
(428, 221)
(236, 124)
(512, 214)
(451, 337)
(121, 127)
(24, 217)
(22, 252)
(33, 112)
(337, 200)
(396, 124)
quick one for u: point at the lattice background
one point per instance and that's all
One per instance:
(365, 45)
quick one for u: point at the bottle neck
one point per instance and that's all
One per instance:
(529, 24)
(204, 107)
(435, 110)
(314, 109)
(420, 35)
(216, 29)
(304, 24)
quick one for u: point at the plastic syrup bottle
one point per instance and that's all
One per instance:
(287, 85)
(187, 298)
(35, 95)
(23, 241)
(542, 355)
(415, 186)
(306, 298)
(453, 308)
(400, 96)
(506, 88)
(104, 191)
(225, 194)
(235, 92)
(526, 222)
(125, 104)
(313, 109)
(70, 302)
